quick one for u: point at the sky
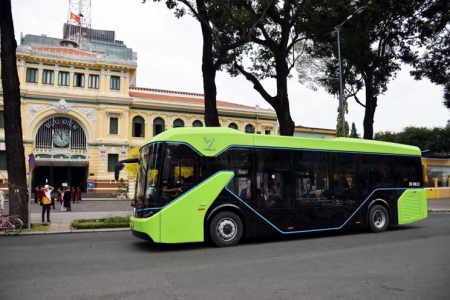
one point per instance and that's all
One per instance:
(169, 54)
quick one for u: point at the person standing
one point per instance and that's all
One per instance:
(53, 200)
(37, 192)
(73, 195)
(66, 198)
(59, 195)
(2, 201)
(46, 201)
(78, 194)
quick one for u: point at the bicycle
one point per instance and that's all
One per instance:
(11, 224)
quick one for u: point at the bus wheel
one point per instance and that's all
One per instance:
(226, 229)
(378, 218)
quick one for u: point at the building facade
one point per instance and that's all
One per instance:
(80, 115)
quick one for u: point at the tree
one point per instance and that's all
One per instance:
(435, 140)
(313, 72)
(416, 136)
(273, 54)
(209, 68)
(373, 44)
(386, 136)
(434, 63)
(353, 133)
(15, 158)
(216, 43)
(132, 168)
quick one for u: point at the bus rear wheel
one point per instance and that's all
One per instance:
(378, 218)
(226, 229)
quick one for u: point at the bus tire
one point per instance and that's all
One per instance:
(226, 229)
(378, 218)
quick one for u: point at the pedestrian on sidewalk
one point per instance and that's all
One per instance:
(2, 201)
(46, 201)
(78, 194)
(53, 200)
(66, 198)
(37, 193)
(59, 195)
(73, 194)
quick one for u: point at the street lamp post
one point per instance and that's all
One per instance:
(341, 96)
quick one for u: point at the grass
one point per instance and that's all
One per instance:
(36, 227)
(109, 222)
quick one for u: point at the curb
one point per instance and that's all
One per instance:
(437, 210)
(73, 231)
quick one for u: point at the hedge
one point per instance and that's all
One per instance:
(109, 222)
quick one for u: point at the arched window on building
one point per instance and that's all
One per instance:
(197, 123)
(249, 128)
(138, 127)
(158, 126)
(233, 126)
(178, 123)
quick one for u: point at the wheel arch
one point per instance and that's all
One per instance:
(379, 201)
(224, 207)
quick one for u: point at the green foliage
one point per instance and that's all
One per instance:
(435, 139)
(417, 136)
(122, 186)
(354, 133)
(373, 45)
(132, 168)
(109, 222)
(36, 227)
(386, 136)
(434, 63)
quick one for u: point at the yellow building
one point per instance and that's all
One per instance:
(80, 115)
(318, 133)
(436, 170)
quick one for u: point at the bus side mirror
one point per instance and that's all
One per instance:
(121, 164)
(119, 167)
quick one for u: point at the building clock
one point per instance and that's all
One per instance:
(61, 137)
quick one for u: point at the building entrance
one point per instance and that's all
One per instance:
(56, 176)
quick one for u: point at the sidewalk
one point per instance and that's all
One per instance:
(438, 205)
(109, 207)
(94, 208)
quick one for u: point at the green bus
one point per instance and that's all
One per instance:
(218, 184)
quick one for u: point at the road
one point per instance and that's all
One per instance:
(410, 262)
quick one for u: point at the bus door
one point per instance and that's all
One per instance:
(323, 198)
(275, 197)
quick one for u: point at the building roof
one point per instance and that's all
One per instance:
(182, 98)
(63, 50)
(333, 131)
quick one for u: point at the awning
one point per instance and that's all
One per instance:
(59, 162)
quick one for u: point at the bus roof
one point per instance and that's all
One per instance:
(212, 140)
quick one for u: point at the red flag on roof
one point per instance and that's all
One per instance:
(74, 17)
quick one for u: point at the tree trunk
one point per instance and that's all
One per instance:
(281, 104)
(208, 70)
(15, 158)
(371, 105)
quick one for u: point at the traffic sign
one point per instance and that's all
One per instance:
(32, 162)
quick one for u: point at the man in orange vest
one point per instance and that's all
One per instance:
(46, 201)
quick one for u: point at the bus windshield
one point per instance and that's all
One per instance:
(163, 167)
(147, 173)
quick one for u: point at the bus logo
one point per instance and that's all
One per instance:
(209, 142)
